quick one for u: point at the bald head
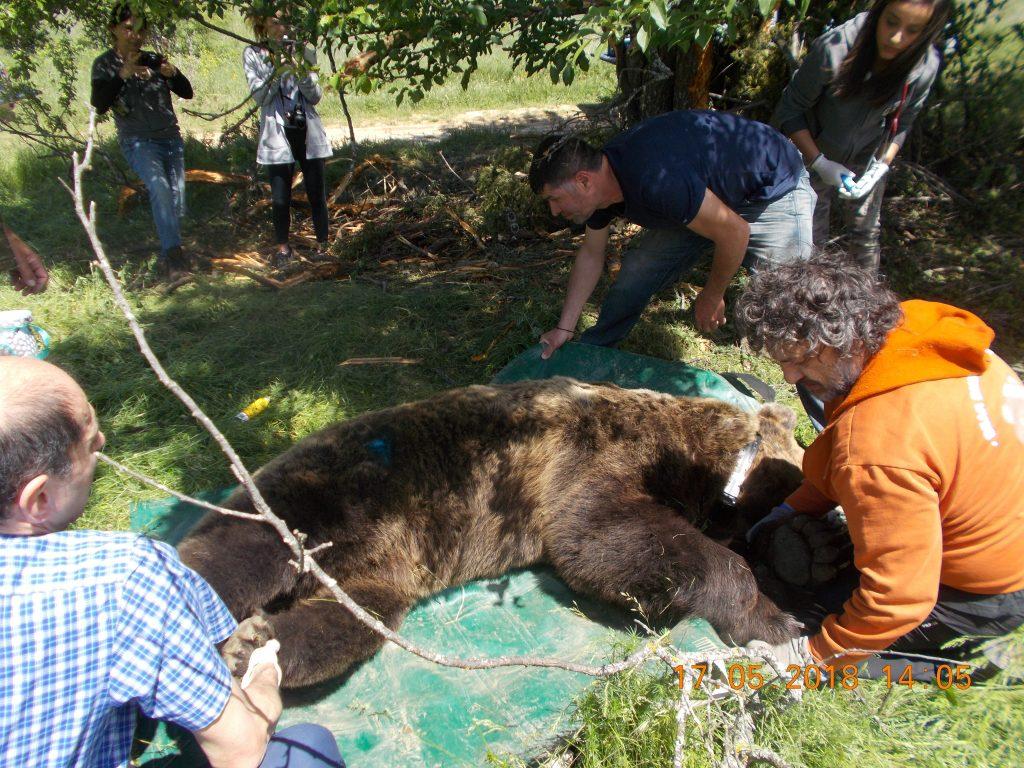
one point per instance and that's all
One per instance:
(43, 418)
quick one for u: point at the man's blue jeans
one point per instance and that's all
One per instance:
(779, 231)
(160, 163)
(303, 746)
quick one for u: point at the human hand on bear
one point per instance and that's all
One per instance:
(265, 655)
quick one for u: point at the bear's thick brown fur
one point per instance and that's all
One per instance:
(606, 485)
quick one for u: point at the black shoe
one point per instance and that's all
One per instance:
(321, 254)
(174, 264)
(282, 258)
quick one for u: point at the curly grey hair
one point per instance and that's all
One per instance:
(826, 301)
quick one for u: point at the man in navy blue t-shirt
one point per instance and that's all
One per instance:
(697, 182)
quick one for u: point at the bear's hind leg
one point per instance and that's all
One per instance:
(320, 638)
(649, 552)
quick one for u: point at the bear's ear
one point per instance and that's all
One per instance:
(779, 415)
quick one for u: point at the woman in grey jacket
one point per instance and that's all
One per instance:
(850, 105)
(290, 128)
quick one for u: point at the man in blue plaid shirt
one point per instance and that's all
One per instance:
(95, 627)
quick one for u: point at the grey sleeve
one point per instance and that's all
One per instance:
(259, 73)
(916, 98)
(804, 89)
(309, 85)
(310, 88)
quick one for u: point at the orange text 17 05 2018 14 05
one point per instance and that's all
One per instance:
(751, 676)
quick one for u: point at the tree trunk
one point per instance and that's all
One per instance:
(663, 80)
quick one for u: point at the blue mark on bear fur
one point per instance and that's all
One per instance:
(381, 449)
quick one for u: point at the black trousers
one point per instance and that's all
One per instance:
(956, 614)
(281, 177)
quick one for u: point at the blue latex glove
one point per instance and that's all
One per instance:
(777, 515)
(874, 173)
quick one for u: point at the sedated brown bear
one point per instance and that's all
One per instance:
(609, 486)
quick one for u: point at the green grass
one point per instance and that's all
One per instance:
(629, 720)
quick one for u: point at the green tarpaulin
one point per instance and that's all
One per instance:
(398, 710)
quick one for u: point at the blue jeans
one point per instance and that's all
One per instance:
(779, 231)
(160, 163)
(303, 746)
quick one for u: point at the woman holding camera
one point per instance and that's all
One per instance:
(290, 128)
(138, 85)
(850, 105)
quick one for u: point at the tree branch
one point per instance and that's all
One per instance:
(226, 32)
(176, 494)
(211, 116)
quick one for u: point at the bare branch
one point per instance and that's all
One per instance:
(226, 32)
(211, 116)
(89, 223)
(180, 496)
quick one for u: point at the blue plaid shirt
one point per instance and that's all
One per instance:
(93, 627)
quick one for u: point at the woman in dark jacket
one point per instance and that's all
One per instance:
(138, 85)
(850, 105)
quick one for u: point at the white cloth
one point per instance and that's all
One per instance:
(266, 654)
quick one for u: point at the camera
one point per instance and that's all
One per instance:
(295, 117)
(151, 60)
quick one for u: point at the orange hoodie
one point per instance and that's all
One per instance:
(925, 454)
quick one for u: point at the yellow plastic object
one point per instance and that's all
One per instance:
(255, 408)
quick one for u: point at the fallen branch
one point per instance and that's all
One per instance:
(933, 179)
(467, 228)
(225, 265)
(422, 251)
(465, 183)
(351, 176)
(200, 176)
(379, 360)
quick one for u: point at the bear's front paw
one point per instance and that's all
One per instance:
(251, 634)
(806, 552)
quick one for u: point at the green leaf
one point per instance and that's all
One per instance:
(643, 37)
(568, 74)
(481, 15)
(703, 35)
(659, 13)
(765, 6)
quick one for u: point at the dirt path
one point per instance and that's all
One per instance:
(532, 120)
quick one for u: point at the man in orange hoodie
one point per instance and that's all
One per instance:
(923, 448)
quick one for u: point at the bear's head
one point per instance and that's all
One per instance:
(776, 470)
